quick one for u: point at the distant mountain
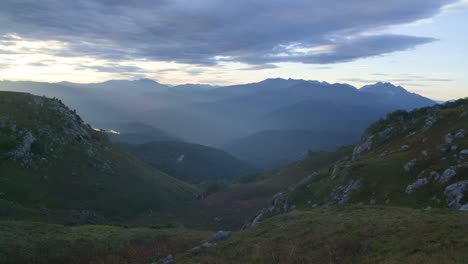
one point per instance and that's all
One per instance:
(219, 116)
(411, 159)
(398, 96)
(272, 148)
(136, 133)
(190, 162)
(50, 159)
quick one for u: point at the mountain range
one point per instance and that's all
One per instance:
(228, 117)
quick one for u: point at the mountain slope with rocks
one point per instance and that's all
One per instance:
(415, 159)
(52, 163)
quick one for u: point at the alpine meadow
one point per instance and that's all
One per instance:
(261, 131)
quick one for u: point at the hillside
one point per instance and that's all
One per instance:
(357, 234)
(189, 162)
(274, 148)
(136, 133)
(222, 115)
(411, 159)
(53, 164)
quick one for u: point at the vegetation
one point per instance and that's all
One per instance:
(352, 234)
(189, 162)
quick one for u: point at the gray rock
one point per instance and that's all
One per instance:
(448, 138)
(208, 245)
(455, 193)
(434, 175)
(373, 201)
(363, 147)
(25, 146)
(342, 194)
(411, 134)
(221, 235)
(448, 174)
(460, 133)
(464, 152)
(167, 260)
(416, 185)
(464, 207)
(430, 121)
(409, 165)
(404, 148)
(453, 148)
(424, 153)
(195, 250)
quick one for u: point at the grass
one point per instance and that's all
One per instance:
(33, 242)
(63, 177)
(354, 234)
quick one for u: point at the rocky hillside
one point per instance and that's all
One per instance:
(53, 163)
(413, 159)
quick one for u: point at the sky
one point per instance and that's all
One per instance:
(419, 44)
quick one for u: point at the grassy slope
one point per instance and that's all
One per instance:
(383, 177)
(189, 162)
(237, 203)
(33, 242)
(61, 176)
(347, 235)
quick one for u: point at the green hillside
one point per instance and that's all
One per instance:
(354, 234)
(189, 162)
(54, 164)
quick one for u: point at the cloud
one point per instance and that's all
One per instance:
(403, 79)
(260, 67)
(113, 68)
(207, 32)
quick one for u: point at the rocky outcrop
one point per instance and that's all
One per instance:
(342, 194)
(24, 147)
(448, 174)
(416, 185)
(221, 235)
(455, 193)
(167, 260)
(363, 147)
(409, 165)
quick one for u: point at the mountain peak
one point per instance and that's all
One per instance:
(397, 95)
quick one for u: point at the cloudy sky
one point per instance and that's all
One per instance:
(419, 44)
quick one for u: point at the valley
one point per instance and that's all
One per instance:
(138, 195)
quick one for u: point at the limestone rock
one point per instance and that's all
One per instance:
(416, 185)
(455, 193)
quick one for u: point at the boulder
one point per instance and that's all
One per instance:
(221, 235)
(464, 152)
(460, 133)
(409, 165)
(416, 185)
(455, 193)
(404, 148)
(430, 121)
(448, 138)
(448, 174)
(363, 147)
(167, 260)
(208, 245)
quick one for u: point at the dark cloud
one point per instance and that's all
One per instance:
(260, 67)
(206, 31)
(113, 68)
